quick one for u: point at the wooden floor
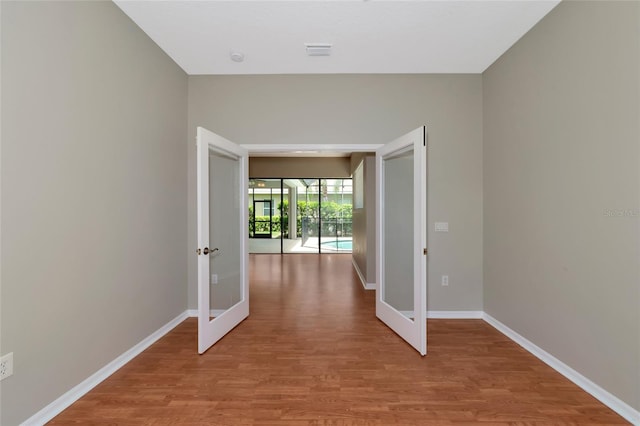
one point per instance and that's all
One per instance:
(312, 353)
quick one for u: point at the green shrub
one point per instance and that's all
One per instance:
(335, 217)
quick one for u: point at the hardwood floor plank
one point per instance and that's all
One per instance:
(312, 353)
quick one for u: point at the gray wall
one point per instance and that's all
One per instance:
(366, 109)
(93, 194)
(561, 190)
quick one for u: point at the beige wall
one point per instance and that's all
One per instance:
(370, 208)
(304, 167)
(93, 194)
(366, 109)
(561, 160)
(364, 219)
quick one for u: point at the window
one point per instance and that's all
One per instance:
(266, 207)
(358, 184)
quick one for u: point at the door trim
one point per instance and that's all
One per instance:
(288, 149)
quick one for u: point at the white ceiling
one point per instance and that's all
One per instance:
(368, 37)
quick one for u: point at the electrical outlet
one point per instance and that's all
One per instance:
(6, 366)
(445, 280)
(214, 278)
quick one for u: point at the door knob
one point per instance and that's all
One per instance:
(207, 251)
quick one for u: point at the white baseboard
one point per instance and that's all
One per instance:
(365, 284)
(448, 314)
(455, 314)
(625, 410)
(63, 402)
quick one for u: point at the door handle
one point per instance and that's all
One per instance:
(207, 251)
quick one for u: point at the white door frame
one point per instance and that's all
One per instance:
(314, 149)
(210, 331)
(413, 327)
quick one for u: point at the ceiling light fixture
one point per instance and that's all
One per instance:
(236, 56)
(318, 49)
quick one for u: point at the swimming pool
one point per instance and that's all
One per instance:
(338, 245)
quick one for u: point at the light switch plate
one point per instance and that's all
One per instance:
(6, 366)
(442, 226)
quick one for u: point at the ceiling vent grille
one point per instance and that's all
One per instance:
(318, 49)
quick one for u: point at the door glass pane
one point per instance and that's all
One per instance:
(225, 289)
(335, 216)
(397, 280)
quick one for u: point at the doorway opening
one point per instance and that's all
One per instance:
(300, 215)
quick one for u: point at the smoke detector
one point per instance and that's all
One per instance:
(236, 56)
(318, 49)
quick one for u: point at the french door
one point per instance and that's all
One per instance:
(223, 280)
(258, 209)
(401, 275)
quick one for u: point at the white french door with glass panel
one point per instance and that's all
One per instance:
(401, 269)
(223, 280)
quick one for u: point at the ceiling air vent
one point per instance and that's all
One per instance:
(318, 49)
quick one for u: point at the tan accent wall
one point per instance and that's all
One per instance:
(364, 219)
(299, 167)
